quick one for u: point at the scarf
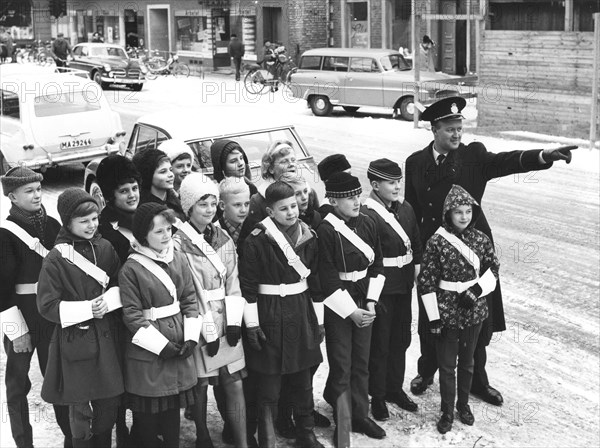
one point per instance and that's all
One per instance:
(36, 220)
(234, 230)
(292, 234)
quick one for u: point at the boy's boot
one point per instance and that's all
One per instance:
(82, 443)
(306, 439)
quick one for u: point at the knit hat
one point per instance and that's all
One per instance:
(142, 219)
(193, 188)
(69, 200)
(332, 164)
(146, 162)
(17, 177)
(384, 169)
(342, 185)
(113, 171)
(219, 151)
(174, 148)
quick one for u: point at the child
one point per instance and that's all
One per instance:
(401, 248)
(213, 261)
(308, 214)
(20, 266)
(278, 276)
(234, 203)
(334, 163)
(230, 160)
(160, 311)
(84, 363)
(459, 270)
(351, 273)
(158, 180)
(181, 157)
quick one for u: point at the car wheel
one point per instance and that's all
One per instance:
(137, 87)
(3, 165)
(350, 109)
(407, 108)
(320, 105)
(96, 193)
(97, 77)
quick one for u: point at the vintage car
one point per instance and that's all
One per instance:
(48, 119)
(108, 64)
(359, 77)
(200, 127)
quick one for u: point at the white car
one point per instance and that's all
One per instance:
(48, 119)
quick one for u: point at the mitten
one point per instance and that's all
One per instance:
(468, 299)
(187, 349)
(256, 338)
(234, 333)
(170, 350)
(212, 348)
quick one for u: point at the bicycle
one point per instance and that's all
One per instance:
(259, 80)
(171, 67)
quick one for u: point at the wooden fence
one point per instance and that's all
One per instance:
(539, 81)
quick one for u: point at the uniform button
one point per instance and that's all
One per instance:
(428, 188)
(170, 325)
(430, 204)
(433, 219)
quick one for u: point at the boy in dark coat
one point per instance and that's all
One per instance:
(351, 274)
(401, 248)
(460, 270)
(278, 277)
(23, 327)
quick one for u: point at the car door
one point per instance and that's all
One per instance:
(330, 81)
(363, 85)
(80, 58)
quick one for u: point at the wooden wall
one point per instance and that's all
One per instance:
(538, 81)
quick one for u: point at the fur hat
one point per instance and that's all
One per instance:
(69, 200)
(175, 148)
(17, 177)
(193, 188)
(342, 185)
(113, 171)
(142, 219)
(146, 162)
(332, 164)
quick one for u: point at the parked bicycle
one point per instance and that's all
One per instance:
(260, 80)
(155, 67)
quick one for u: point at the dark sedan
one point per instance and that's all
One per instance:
(108, 64)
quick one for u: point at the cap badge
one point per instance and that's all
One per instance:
(454, 108)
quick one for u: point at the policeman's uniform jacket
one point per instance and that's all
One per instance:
(470, 166)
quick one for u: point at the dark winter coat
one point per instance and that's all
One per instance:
(471, 167)
(443, 261)
(111, 219)
(289, 322)
(236, 48)
(337, 254)
(172, 201)
(146, 374)
(397, 281)
(83, 365)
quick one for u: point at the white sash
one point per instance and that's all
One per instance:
(205, 248)
(158, 272)
(391, 220)
(464, 250)
(341, 227)
(69, 253)
(292, 257)
(32, 242)
(125, 232)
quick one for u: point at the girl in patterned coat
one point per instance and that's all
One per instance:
(459, 270)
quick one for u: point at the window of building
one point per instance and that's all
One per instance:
(15, 17)
(358, 23)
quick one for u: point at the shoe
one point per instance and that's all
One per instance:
(227, 435)
(445, 423)
(368, 427)
(489, 395)
(286, 428)
(308, 440)
(204, 443)
(465, 415)
(379, 409)
(402, 400)
(320, 420)
(419, 384)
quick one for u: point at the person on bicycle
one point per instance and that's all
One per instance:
(61, 49)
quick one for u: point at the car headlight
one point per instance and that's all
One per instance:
(107, 67)
(144, 69)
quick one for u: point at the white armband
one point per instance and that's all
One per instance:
(192, 326)
(251, 315)
(320, 312)
(234, 309)
(341, 303)
(112, 298)
(149, 338)
(487, 282)
(375, 287)
(72, 313)
(431, 306)
(13, 323)
(209, 329)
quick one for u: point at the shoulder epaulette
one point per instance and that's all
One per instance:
(256, 232)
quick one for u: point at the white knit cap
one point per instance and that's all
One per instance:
(174, 148)
(193, 187)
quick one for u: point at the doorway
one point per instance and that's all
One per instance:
(273, 24)
(220, 18)
(159, 29)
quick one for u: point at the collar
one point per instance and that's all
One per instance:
(166, 256)
(435, 153)
(373, 195)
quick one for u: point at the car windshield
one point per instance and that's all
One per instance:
(65, 103)
(108, 52)
(395, 62)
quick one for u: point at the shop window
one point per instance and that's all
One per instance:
(192, 33)
(358, 26)
(15, 17)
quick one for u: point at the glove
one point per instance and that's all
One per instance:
(435, 327)
(187, 349)
(256, 338)
(234, 333)
(212, 348)
(560, 153)
(321, 333)
(170, 350)
(468, 299)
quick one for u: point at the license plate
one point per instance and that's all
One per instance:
(76, 143)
